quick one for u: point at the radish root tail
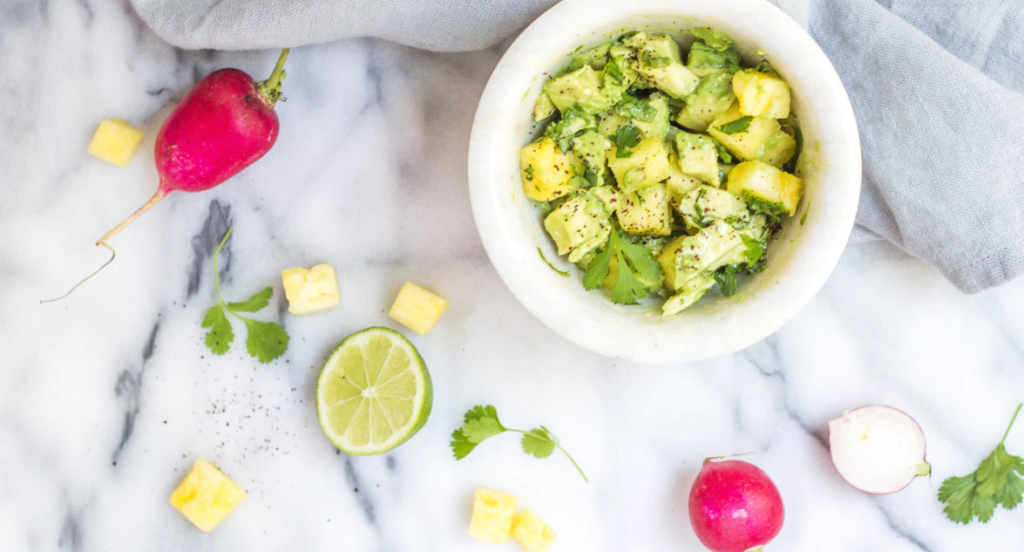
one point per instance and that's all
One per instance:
(113, 254)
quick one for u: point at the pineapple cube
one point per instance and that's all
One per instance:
(494, 513)
(761, 94)
(206, 496)
(546, 171)
(312, 290)
(417, 308)
(533, 534)
(115, 141)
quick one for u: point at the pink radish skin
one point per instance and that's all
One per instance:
(735, 507)
(223, 125)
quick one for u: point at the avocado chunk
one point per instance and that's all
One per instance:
(704, 60)
(546, 171)
(645, 164)
(712, 97)
(761, 94)
(543, 108)
(650, 116)
(589, 152)
(757, 181)
(691, 292)
(713, 38)
(619, 71)
(659, 63)
(595, 57)
(689, 257)
(779, 149)
(698, 157)
(565, 129)
(608, 123)
(747, 136)
(646, 212)
(578, 90)
(705, 205)
(579, 225)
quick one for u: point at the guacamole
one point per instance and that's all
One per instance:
(664, 172)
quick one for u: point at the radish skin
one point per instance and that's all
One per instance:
(735, 507)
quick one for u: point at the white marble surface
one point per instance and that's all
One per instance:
(107, 398)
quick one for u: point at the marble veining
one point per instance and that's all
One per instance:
(108, 397)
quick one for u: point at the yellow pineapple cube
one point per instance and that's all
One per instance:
(115, 141)
(533, 534)
(417, 308)
(312, 290)
(206, 496)
(546, 171)
(494, 512)
(761, 94)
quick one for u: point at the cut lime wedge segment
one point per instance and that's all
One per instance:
(373, 393)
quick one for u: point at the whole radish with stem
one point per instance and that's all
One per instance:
(223, 125)
(734, 506)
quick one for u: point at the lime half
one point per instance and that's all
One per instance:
(373, 393)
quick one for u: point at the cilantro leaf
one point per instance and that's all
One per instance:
(254, 303)
(634, 264)
(538, 442)
(631, 107)
(995, 483)
(627, 287)
(612, 69)
(481, 422)
(755, 249)
(625, 138)
(598, 269)
(735, 127)
(726, 279)
(641, 260)
(220, 336)
(266, 341)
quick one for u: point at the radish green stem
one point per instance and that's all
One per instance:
(112, 255)
(1014, 419)
(270, 89)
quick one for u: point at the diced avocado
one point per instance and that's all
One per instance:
(620, 71)
(579, 225)
(608, 123)
(646, 211)
(595, 57)
(746, 143)
(546, 171)
(761, 94)
(763, 182)
(651, 116)
(565, 129)
(678, 184)
(608, 195)
(705, 205)
(660, 63)
(712, 37)
(779, 149)
(698, 157)
(578, 90)
(705, 60)
(543, 108)
(589, 151)
(691, 293)
(712, 97)
(689, 257)
(646, 164)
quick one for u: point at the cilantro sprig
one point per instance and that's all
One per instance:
(265, 341)
(735, 127)
(481, 423)
(626, 138)
(634, 263)
(999, 481)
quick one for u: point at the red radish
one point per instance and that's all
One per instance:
(223, 125)
(877, 449)
(734, 506)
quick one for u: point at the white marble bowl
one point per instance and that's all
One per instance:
(800, 258)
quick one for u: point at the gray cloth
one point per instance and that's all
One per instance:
(936, 85)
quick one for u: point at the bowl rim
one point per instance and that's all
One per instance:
(498, 230)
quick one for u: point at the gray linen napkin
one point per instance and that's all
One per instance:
(937, 86)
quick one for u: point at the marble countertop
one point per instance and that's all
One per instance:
(107, 398)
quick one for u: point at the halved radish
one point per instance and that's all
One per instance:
(878, 449)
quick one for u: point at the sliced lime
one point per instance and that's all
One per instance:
(373, 393)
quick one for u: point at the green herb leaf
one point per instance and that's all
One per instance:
(716, 39)
(598, 269)
(625, 138)
(641, 260)
(997, 482)
(538, 442)
(561, 273)
(612, 69)
(726, 279)
(254, 303)
(528, 171)
(266, 340)
(755, 249)
(628, 289)
(220, 336)
(737, 126)
(481, 423)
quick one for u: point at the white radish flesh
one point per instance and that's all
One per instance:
(878, 449)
